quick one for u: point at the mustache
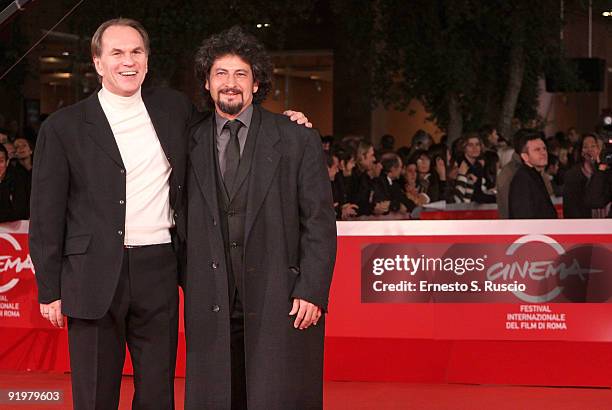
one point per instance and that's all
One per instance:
(234, 90)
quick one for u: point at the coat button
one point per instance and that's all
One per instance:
(122, 171)
(120, 232)
(215, 308)
(180, 187)
(214, 222)
(234, 244)
(214, 265)
(176, 215)
(121, 201)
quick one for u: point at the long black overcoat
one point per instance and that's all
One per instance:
(290, 247)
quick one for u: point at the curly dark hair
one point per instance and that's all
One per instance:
(234, 41)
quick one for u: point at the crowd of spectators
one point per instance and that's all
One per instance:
(16, 158)
(527, 176)
(522, 176)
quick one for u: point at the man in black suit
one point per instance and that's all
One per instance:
(107, 192)
(261, 243)
(529, 198)
(388, 187)
(107, 176)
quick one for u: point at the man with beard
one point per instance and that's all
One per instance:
(107, 188)
(261, 243)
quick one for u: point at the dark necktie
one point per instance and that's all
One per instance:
(232, 154)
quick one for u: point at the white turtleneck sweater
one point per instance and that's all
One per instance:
(148, 215)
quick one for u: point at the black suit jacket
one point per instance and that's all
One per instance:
(77, 220)
(598, 192)
(529, 197)
(393, 192)
(574, 190)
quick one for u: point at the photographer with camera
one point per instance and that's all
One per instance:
(598, 192)
(585, 190)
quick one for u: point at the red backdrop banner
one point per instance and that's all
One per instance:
(557, 331)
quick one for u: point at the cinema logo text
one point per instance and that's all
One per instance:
(538, 270)
(15, 264)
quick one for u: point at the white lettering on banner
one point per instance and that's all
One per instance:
(537, 271)
(12, 264)
(497, 271)
(536, 317)
(410, 265)
(9, 305)
(425, 286)
(504, 287)
(18, 264)
(540, 270)
(402, 286)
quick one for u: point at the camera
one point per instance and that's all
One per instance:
(606, 134)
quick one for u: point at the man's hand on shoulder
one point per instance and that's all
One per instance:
(53, 312)
(298, 117)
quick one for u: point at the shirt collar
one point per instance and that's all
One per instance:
(244, 117)
(120, 103)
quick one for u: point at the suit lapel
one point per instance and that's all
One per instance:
(159, 118)
(99, 129)
(203, 162)
(265, 162)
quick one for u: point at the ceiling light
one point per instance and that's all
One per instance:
(60, 75)
(50, 60)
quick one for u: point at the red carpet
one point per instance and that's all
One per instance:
(362, 395)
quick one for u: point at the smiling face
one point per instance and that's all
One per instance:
(590, 148)
(22, 148)
(231, 85)
(122, 62)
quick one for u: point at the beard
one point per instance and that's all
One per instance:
(232, 108)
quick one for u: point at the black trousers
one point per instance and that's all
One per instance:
(239, 395)
(143, 314)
